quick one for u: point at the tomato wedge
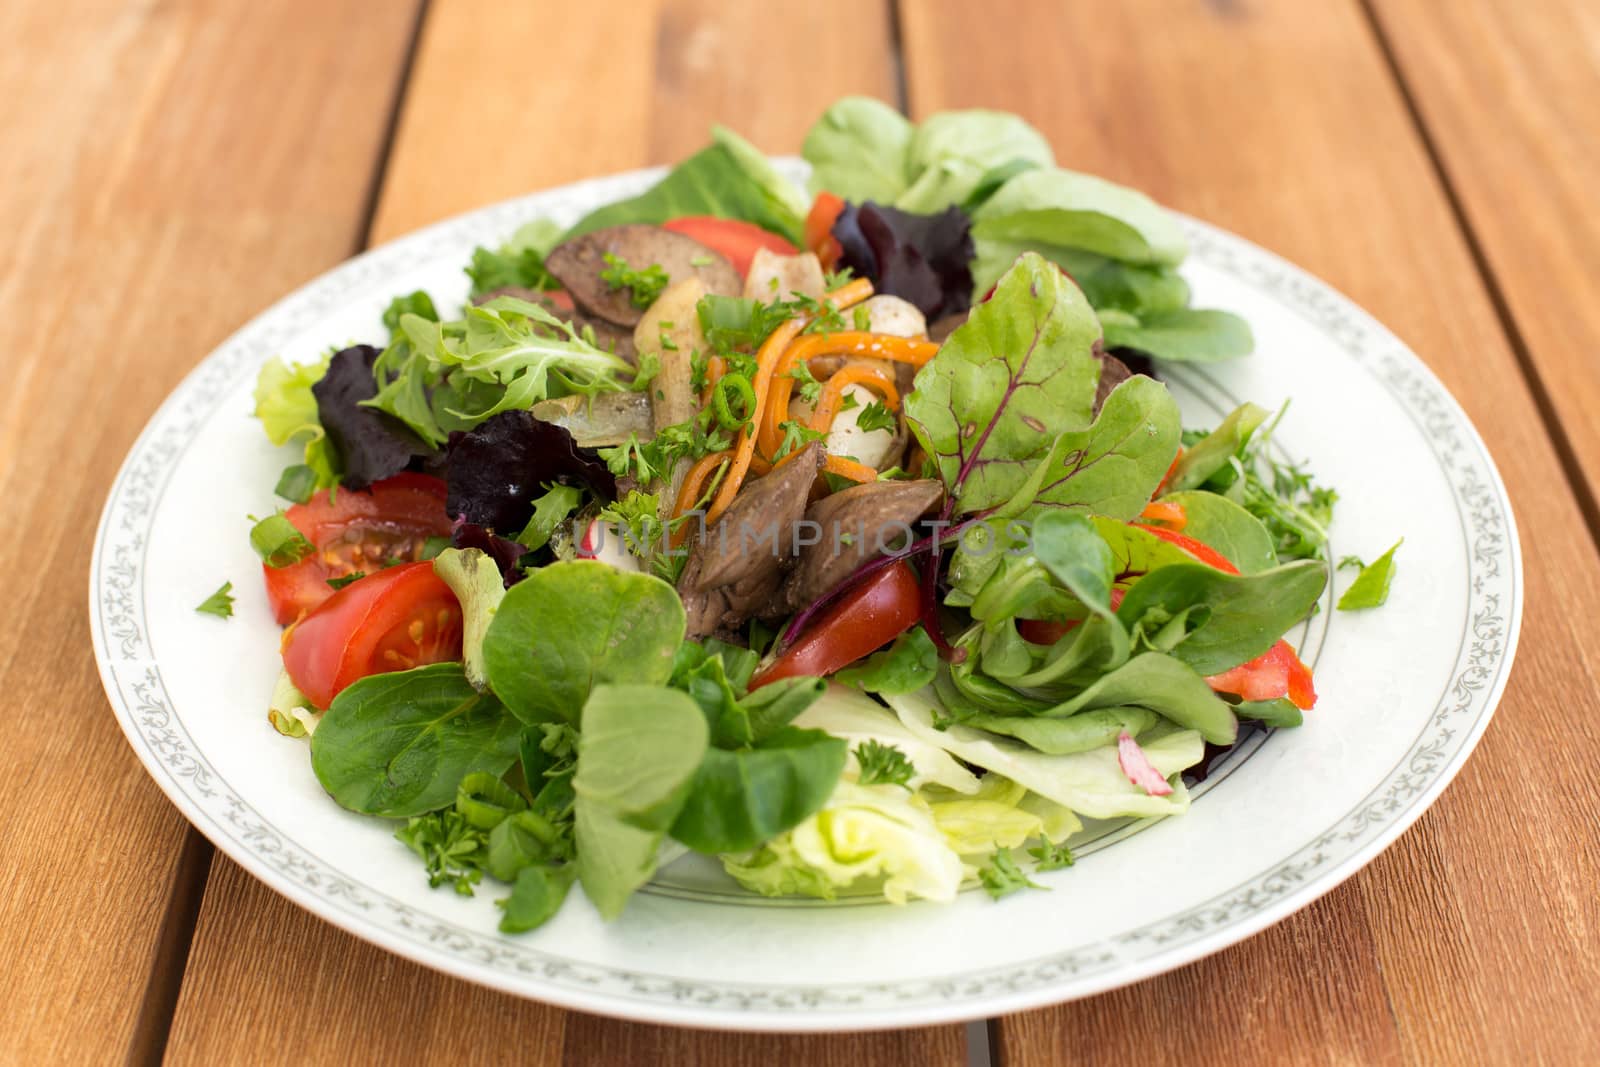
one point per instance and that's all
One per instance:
(1198, 549)
(391, 620)
(734, 238)
(356, 530)
(1275, 673)
(864, 620)
(824, 213)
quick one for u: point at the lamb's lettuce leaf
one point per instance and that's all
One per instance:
(638, 749)
(572, 626)
(1218, 522)
(741, 797)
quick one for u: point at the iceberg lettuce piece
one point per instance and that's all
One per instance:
(1090, 783)
(865, 834)
(856, 717)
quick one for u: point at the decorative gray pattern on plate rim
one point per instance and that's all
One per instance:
(134, 684)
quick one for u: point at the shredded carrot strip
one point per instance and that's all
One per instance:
(716, 367)
(849, 468)
(849, 343)
(1166, 513)
(745, 449)
(843, 378)
(850, 293)
(693, 485)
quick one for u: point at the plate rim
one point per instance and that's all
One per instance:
(113, 578)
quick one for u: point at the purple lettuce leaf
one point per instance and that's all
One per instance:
(925, 259)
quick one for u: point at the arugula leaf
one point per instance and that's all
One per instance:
(450, 848)
(519, 263)
(730, 180)
(1371, 587)
(1006, 384)
(539, 892)
(639, 747)
(883, 764)
(1001, 876)
(1206, 457)
(742, 797)
(219, 603)
(1184, 335)
(549, 510)
(277, 542)
(400, 744)
(904, 667)
(572, 626)
(414, 303)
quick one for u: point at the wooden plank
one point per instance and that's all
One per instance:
(1280, 120)
(168, 169)
(1510, 95)
(491, 113)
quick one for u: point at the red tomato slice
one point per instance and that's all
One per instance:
(824, 213)
(358, 530)
(391, 620)
(1047, 632)
(734, 238)
(1275, 673)
(865, 619)
(1198, 549)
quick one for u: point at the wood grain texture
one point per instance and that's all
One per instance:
(1471, 939)
(554, 93)
(1510, 95)
(168, 169)
(560, 92)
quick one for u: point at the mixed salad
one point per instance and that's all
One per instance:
(852, 539)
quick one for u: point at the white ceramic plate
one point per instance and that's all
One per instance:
(1405, 694)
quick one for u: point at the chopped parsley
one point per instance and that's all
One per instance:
(450, 847)
(643, 285)
(1001, 876)
(883, 764)
(877, 416)
(219, 603)
(1050, 857)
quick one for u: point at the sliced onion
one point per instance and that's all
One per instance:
(1137, 766)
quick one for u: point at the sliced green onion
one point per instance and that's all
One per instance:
(746, 394)
(484, 800)
(277, 542)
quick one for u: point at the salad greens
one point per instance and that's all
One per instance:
(219, 603)
(1084, 596)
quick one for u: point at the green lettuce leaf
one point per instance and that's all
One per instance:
(288, 410)
(1183, 335)
(1070, 210)
(729, 179)
(1006, 384)
(571, 626)
(858, 151)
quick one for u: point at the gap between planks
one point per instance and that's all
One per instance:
(1566, 454)
(175, 941)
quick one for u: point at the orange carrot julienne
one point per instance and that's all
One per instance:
(849, 468)
(694, 482)
(716, 367)
(744, 449)
(850, 343)
(843, 378)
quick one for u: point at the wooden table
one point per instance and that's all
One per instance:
(170, 168)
